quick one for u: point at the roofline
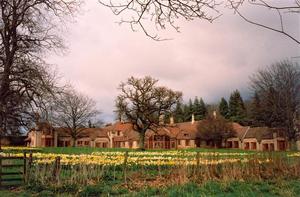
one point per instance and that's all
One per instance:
(248, 128)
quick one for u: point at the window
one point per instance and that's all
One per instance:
(187, 142)
(229, 144)
(236, 144)
(179, 142)
(86, 143)
(48, 142)
(247, 145)
(253, 145)
(186, 135)
(272, 148)
(118, 133)
(265, 146)
(67, 143)
(79, 143)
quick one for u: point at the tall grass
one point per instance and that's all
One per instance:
(253, 167)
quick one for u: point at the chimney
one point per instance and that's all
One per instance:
(161, 119)
(193, 118)
(215, 114)
(171, 120)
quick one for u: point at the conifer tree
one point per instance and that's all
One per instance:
(197, 109)
(186, 113)
(223, 108)
(237, 110)
(179, 113)
(202, 109)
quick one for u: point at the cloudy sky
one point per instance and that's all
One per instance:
(204, 60)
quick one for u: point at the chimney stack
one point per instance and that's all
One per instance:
(215, 114)
(161, 119)
(171, 120)
(193, 118)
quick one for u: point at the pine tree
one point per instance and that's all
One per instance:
(237, 110)
(197, 109)
(202, 109)
(179, 113)
(223, 108)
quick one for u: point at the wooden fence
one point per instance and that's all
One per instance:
(13, 170)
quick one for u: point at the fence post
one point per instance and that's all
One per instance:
(197, 163)
(24, 168)
(125, 166)
(56, 168)
(30, 159)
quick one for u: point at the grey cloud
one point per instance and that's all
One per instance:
(207, 60)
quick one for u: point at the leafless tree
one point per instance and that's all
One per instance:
(278, 9)
(215, 130)
(27, 31)
(278, 87)
(163, 12)
(73, 111)
(142, 102)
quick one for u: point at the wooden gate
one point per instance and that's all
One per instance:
(13, 170)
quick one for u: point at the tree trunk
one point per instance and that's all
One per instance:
(142, 140)
(73, 142)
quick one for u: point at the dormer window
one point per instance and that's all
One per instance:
(119, 133)
(186, 135)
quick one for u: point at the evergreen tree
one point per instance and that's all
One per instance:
(237, 110)
(186, 113)
(223, 108)
(197, 109)
(178, 113)
(202, 109)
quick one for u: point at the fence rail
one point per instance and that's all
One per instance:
(13, 170)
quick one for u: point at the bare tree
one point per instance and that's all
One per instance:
(142, 102)
(278, 87)
(73, 112)
(279, 10)
(163, 12)
(27, 31)
(215, 130)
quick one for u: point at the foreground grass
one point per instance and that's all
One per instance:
(89, 150)
(284, 188)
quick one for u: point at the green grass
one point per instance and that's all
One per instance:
(89, 150)
(284, 188)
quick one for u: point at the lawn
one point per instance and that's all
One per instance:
(284, 188)
(83, 171)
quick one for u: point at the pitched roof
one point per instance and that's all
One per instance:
(240, 131)
(85, 132)
(261, 133)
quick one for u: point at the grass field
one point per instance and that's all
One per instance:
(282, 188)
(127, 172)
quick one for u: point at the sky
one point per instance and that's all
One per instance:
(205, 60)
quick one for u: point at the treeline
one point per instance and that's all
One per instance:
(274, 101)
(234, 111)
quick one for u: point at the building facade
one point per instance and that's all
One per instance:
(167, 136)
